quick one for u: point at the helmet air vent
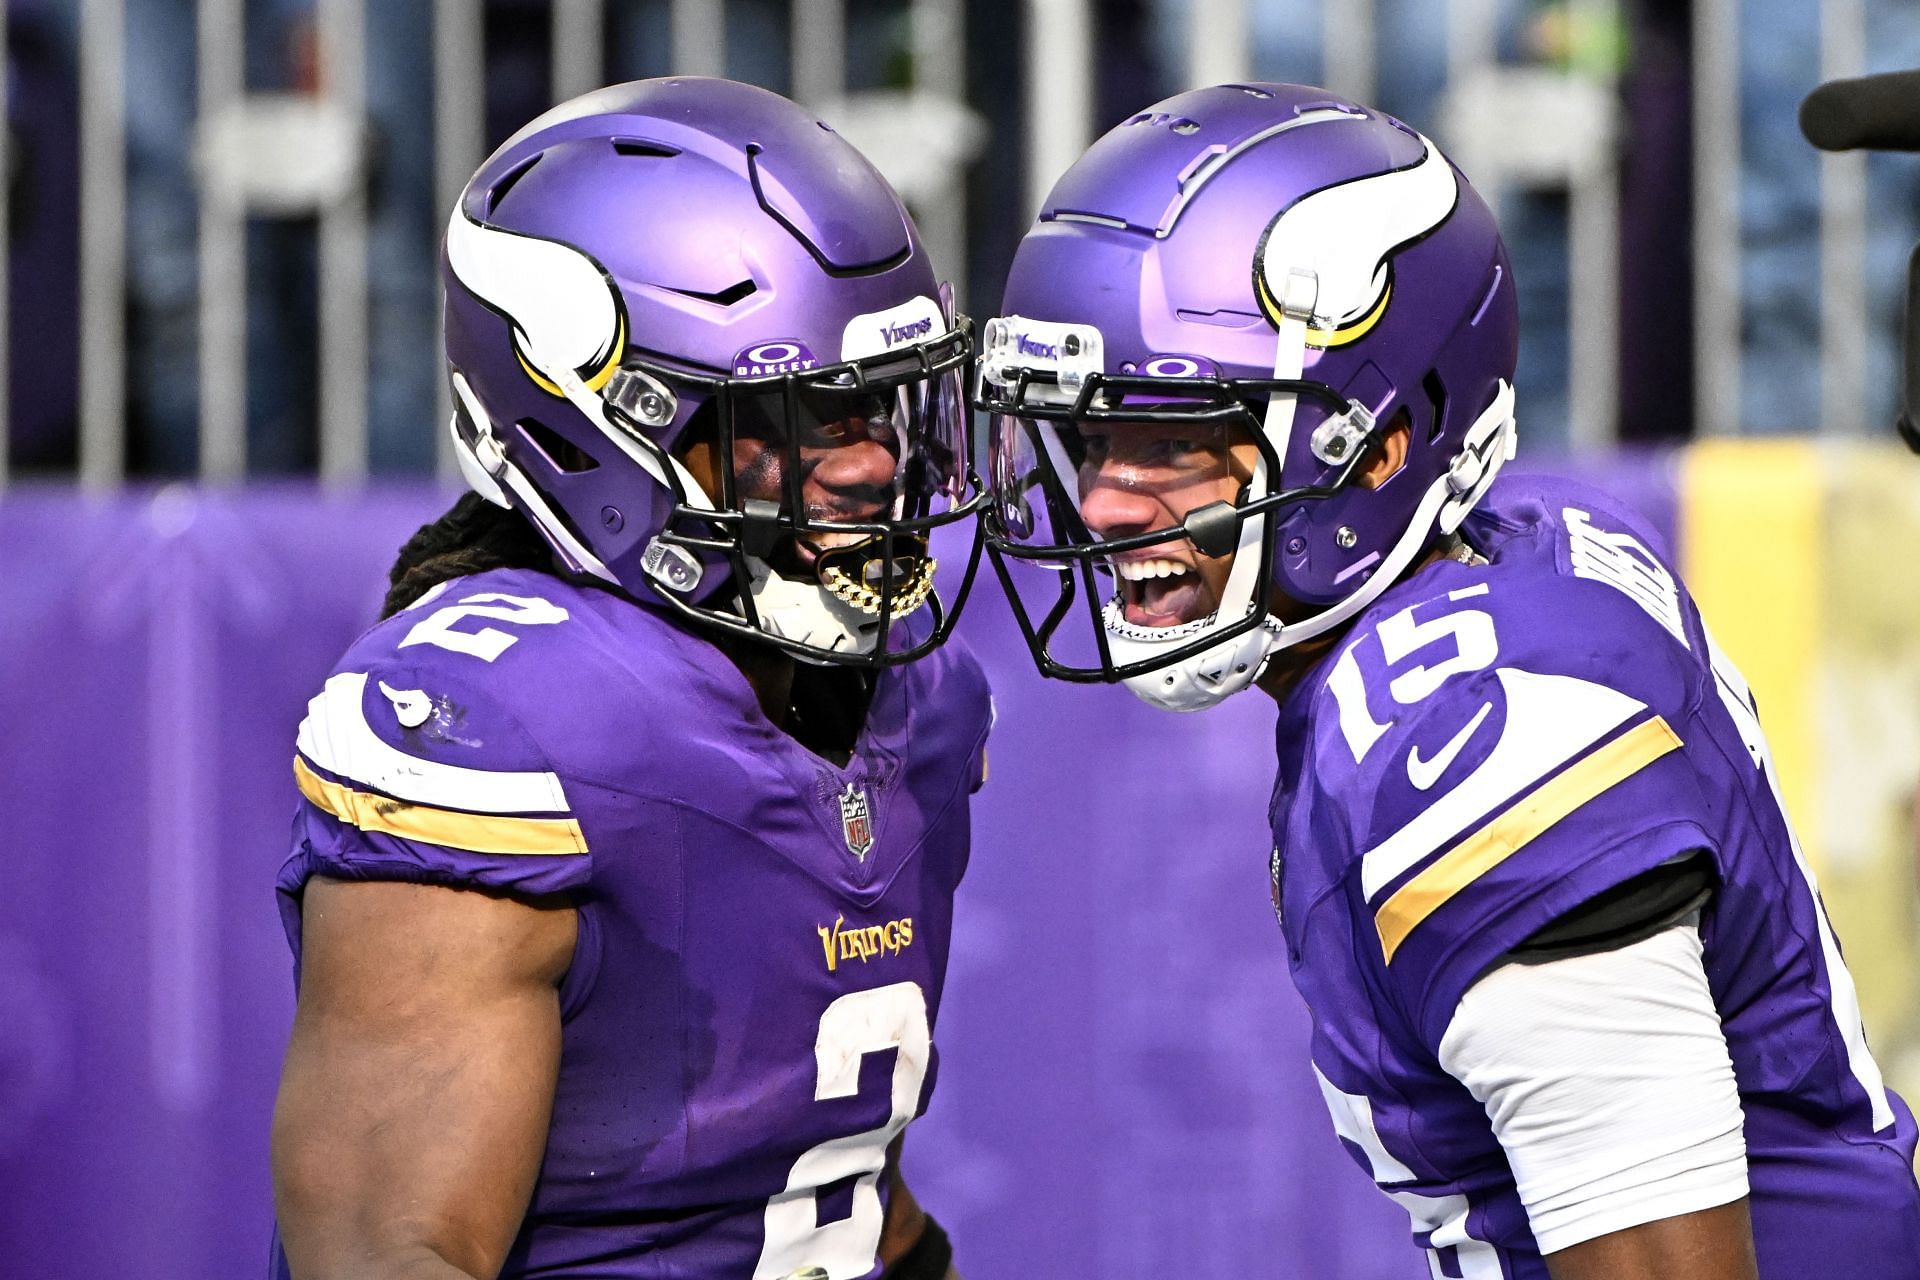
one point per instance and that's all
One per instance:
(1225, 318)
(1339, 105)
(724, 298)
(1097, 219)
(564, 455)
(506, 184)
(1437, 397)
(641, 147)
(872, 238)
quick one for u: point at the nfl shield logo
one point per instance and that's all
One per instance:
(856, 821)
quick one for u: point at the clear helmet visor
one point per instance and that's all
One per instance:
(1138, 518)
(841, 479)
(827, 439)
(1065, 483)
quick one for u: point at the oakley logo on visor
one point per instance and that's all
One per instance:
(784, 356)
(1179, 367)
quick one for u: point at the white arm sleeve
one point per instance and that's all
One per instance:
(1607, 1080)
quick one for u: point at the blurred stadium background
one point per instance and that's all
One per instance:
(222, 393)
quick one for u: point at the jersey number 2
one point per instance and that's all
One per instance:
(855, 1025)
(487, 643)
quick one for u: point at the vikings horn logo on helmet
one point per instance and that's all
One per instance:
(1347, 235)
(565, 312)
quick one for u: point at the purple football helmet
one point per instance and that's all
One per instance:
(1265, 260)
(693, 337)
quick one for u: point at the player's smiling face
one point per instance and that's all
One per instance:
(849, 462)
(1137, 478)
(849, 467)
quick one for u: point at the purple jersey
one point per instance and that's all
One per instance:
(747, 1022)
(1494, 744)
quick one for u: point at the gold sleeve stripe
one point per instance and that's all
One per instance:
(479, 833)
(1513, 830)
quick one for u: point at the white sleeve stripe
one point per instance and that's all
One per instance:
(336, 736)
(1608, 1084)
(1550, 720)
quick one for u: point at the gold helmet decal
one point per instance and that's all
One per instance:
(563, 310)
(1347, 235)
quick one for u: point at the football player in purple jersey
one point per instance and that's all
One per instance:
(621, 889)
(1576, 1006)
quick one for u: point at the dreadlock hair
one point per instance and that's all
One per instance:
(473, 536)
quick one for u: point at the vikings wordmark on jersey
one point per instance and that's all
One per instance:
(514, 732)
(841, 943)
(1497, 743)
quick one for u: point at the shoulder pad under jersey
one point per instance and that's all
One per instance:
(417, 759)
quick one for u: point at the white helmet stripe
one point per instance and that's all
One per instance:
(1345, 234)
(564, 311)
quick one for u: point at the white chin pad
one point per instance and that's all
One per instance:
(806, 614)
(1215, 673)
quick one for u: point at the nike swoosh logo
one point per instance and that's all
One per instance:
(1424, 773)
(411, 707)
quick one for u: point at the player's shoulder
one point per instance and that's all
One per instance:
(1573, 558)
(1503, 737)
(1566, 628)
(1556, 578)
(504, 671)
(446, 745)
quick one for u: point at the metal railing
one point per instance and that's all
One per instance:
(234, 126)
(6, 234)
(1844, 323)
(103, 236)
(1059, 98)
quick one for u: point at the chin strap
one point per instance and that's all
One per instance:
(490, 473)
(1489, 444)
(1226, 668)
